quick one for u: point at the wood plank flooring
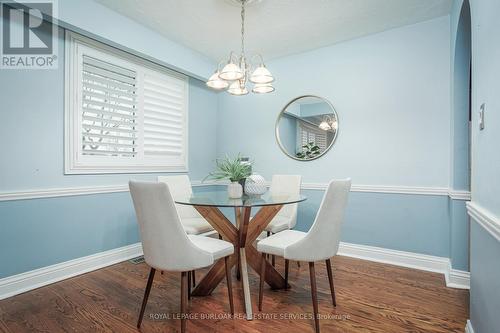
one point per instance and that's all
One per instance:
(371, 297)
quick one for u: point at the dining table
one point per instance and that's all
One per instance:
(243, 234)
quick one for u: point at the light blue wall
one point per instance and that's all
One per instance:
(459, 235)
(460, 169)
(485, 180)
(394, 130)
(314, 109)
(396, 221)
(485, 281)
(392, 93)
(461, 57)
(102, 23)
(34, 100)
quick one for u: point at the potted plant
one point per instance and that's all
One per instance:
(234, 170)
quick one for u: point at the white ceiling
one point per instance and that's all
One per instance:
(274, 28)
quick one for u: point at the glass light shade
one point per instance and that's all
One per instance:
(231, 72)
(215, 82)
(263, 88)
(236, 89)
(325, 126)
(261, 75)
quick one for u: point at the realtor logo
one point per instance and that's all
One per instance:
(29, 39)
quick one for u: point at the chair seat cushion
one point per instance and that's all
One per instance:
(278, 223)
(195, 225)
(218, 248)
(277, 243)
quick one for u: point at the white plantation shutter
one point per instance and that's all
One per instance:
(109, 109)
(123, 114)
(163, 116)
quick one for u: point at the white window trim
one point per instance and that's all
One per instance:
(72, 134)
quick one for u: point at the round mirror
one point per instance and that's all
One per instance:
(307, 127)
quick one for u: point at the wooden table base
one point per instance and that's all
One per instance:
(243, 235)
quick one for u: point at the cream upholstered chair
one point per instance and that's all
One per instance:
(192, 221)
(287, 216)
(166, 245)
(320, 243)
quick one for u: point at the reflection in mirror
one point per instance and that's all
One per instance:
(307, 128)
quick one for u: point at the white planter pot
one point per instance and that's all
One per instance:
(234, 190)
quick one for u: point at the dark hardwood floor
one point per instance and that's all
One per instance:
(371, 297)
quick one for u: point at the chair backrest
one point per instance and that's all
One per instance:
(165, 244)
(287, 184)
(322, 240)
(180, 187)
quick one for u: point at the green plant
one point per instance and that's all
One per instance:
(230, 168)
(309, 150)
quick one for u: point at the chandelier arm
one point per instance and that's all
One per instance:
(259, 56)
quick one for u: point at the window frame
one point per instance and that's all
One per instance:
(77, 163)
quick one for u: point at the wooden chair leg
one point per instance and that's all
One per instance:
(229, 285)
(146, 295)
(287, 262)
(189, 284)
(314, 294)
(193, 275)
(238, 268)
(268, 233)
(262, 279)
(330, 279)
(184, 291)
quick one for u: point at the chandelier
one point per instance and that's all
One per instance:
(328, 123)
(235, 74)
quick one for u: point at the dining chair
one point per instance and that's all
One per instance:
(287, 216)
(168, 247)
(321, 242)
(192, 222)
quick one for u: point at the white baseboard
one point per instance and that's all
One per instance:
(468, 327)
(454, 278)
(20, 283)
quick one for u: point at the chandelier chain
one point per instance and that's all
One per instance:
(243, 27)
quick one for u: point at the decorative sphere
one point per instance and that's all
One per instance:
(255, 185)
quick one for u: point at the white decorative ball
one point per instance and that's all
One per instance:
(255, 185)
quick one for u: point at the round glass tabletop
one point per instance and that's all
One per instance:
(220, 198)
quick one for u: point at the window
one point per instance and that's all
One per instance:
(308, 133)
(123, 113)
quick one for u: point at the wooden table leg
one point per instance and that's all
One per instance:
(224, 227)
(237, 216)
(243, 260)
(246, 285)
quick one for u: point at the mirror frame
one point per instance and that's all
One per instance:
(277, 133)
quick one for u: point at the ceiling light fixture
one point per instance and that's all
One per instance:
(328, 123)
(233, 77)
